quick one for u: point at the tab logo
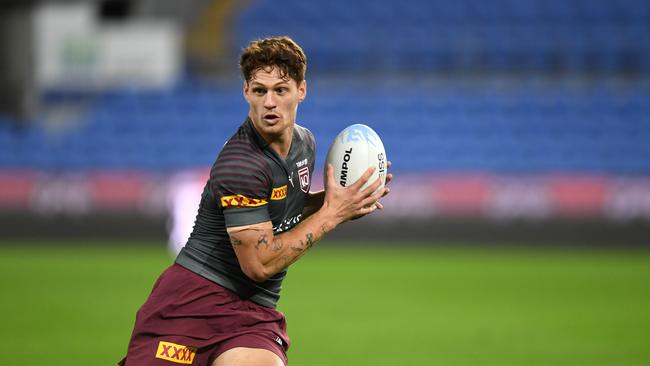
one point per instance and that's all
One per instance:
(302, 163)
(241, 201)
(279, 193)
(176, 353)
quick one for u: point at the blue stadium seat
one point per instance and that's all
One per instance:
(464, 35)
(515, 127)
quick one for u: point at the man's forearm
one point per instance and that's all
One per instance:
(294, 243)
(262, 254)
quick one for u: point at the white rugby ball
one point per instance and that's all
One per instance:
(353, 151)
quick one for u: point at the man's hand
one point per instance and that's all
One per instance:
(389, 178)
(347, 203)
(262, 254)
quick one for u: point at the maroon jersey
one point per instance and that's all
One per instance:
(249, 183)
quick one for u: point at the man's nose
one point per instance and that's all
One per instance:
(269, 100)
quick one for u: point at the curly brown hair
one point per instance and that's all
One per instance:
(280, 52)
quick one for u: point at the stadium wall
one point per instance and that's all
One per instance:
(468, 208)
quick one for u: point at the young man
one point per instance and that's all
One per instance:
(216, 305)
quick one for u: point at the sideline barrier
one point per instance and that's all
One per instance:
(412, 195)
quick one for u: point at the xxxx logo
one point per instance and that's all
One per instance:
(176, 353)
(241, 201)
(279, 193)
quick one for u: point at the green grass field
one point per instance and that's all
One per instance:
(75, 305)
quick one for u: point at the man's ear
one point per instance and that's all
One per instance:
(246, 89)
(302, 90)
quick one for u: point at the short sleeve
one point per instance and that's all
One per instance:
(312, 150)
(241, 181)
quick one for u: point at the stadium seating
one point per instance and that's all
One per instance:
(467, 35)
(597, 120)
(525, 129)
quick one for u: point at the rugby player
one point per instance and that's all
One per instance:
(216, 304)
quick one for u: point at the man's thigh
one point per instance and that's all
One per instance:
(243, 356)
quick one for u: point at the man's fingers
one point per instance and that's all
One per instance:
(373, 198)
(386, 191)
(364, 178)
(367, 210)
(372, 188)
(355, 199)
(389, 176)
(378, 194)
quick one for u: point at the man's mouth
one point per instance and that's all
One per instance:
(271, 117)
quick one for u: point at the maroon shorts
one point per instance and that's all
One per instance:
(190, 320)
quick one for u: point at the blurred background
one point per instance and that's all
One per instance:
(509, 123)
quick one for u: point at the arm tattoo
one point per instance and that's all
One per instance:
(235, 242)
(310, 240)
(277, 245)
(262, 240)
(300, 248)
(304, 245)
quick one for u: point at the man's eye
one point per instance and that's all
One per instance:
(281, 90)
(258, 91)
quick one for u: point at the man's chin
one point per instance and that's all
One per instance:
(271, 124)
(273, 128)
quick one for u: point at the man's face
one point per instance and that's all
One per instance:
(273, 102)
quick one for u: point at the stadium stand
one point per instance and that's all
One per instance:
(523, 127)
(427, 128)
(464, 35)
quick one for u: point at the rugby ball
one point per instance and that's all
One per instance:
(353, 151)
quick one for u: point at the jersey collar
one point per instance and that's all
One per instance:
(258, 138)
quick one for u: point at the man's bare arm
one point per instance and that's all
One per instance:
(262, 254)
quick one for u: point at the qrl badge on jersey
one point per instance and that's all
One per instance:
(175, 353)
(303, 175)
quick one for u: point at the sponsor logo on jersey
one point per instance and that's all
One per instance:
(303, 174)
(241, 201)
(287, 224)
(279, 193)
(302, 163)
(175, 353)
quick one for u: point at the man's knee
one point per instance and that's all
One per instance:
(242, 356)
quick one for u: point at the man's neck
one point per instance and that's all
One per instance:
(282, 145)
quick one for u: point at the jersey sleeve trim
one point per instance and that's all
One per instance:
(246, 216)
(239, 200)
